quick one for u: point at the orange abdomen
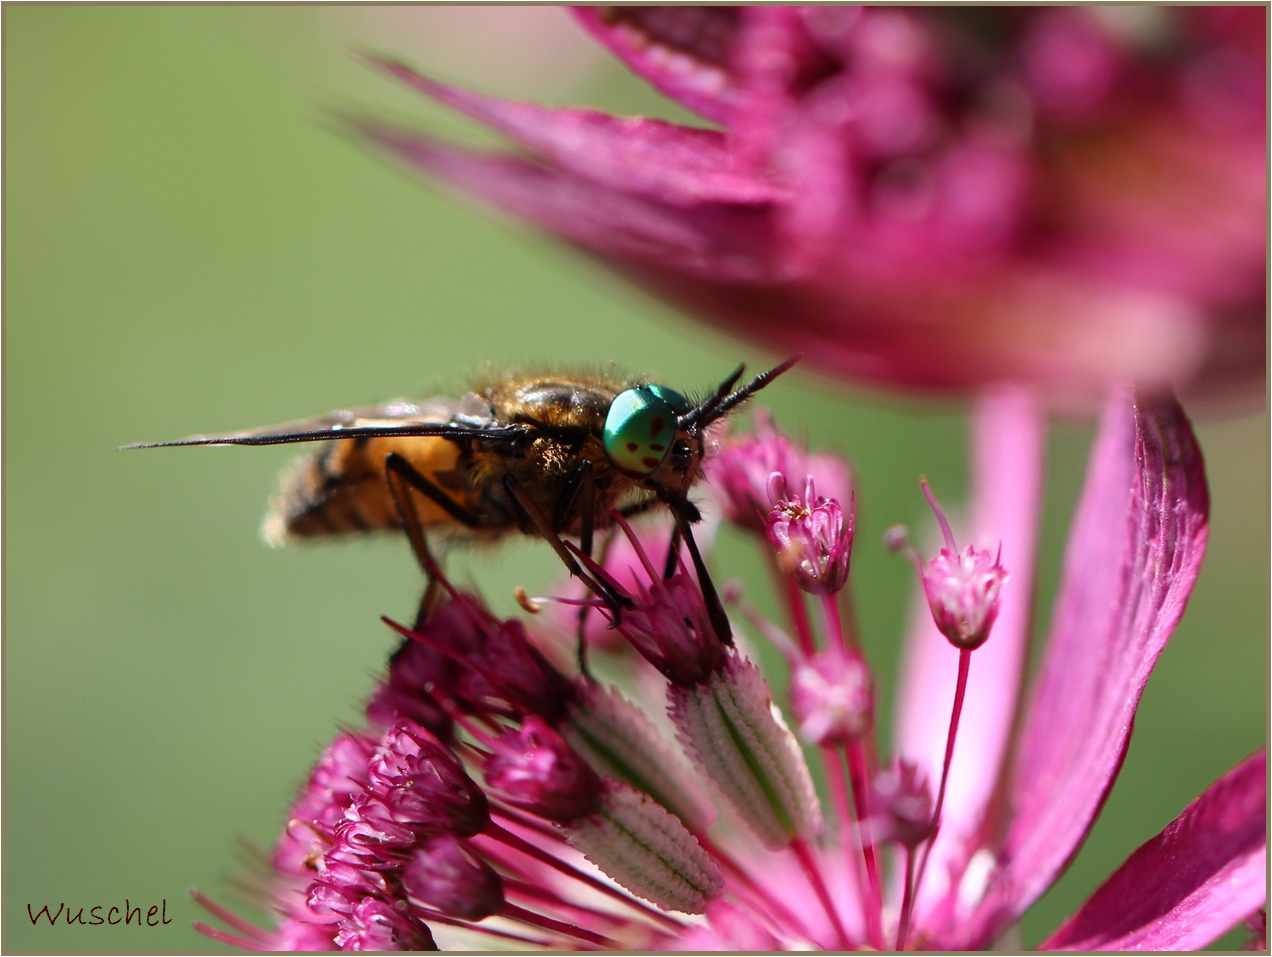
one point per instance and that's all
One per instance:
(341, 487)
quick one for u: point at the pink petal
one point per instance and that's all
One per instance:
(716, 240)
(682, 51)
(1007, 484)
(1189, 884)
(1132, 558)
(676, 164)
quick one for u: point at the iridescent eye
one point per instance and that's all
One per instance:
(679, 404)
(640, 427)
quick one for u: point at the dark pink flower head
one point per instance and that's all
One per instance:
(936, 198)
(537, 770)
(376, 925)
(521, 674)
(672, 628)
(449, 877)
(832, 697)
(369, 832)
(901, 804)
(338, 777)
(811, 534)
(423, 783)
(413, 669)
(963, 589)
(740, 470)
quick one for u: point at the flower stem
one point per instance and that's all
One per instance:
(960, 690)
(857, 770)
(907, 901)
(513, 912)
(868, 869)
(743, 877)
(804, 854)
(799, 614)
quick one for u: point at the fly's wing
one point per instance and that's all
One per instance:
(469, 417)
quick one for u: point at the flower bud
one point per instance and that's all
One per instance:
(741, 468)
(412, 670)
(832, 697)
(448, 876)
(424, 785)
(901, 805)
(672, 628)
(813, 541)
(538, 771)
(962, 589)
(963, 592)
(377, 925)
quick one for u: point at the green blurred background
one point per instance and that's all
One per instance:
(191, 248)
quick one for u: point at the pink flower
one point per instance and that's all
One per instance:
(393, 840)
(936, 198)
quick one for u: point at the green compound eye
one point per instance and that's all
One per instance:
(679, 404)
(640, 427)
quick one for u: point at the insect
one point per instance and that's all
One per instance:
(550, 455)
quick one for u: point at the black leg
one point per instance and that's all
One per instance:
(518, 498)
(673, 552)
(580, 490)
(714, 608)
(398, 476)
(398, 465)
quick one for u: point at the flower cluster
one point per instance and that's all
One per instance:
(497, 796)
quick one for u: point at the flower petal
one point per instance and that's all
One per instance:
(1007, 484)
(716, 240)
(1132, 558)
(677, 164)
(1189, 884)
(682, 51)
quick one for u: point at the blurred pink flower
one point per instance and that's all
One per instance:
(935, 198)
(393, 838)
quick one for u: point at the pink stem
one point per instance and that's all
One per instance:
(238, 923)
(222, 937)
(799, 615)
(907, 901)
(433, 917)
(514, 912)
(834, 626)
(960, 689)
(743, 877)
(804, 854)
(855, 755)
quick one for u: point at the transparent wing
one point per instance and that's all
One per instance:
(466, 418)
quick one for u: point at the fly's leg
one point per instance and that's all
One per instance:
(401, 477)
(581, 489)
(520, 500)
(673, 553)
(715, 610)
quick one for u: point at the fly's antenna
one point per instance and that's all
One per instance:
(695, 416)
(723, 401)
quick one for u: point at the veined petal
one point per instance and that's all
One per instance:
(676, 164)
(682, 51)
(715, 241)
(1007, 447)
(1132, 558)
(1189, 884)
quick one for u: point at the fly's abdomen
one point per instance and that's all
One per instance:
(341, 488)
